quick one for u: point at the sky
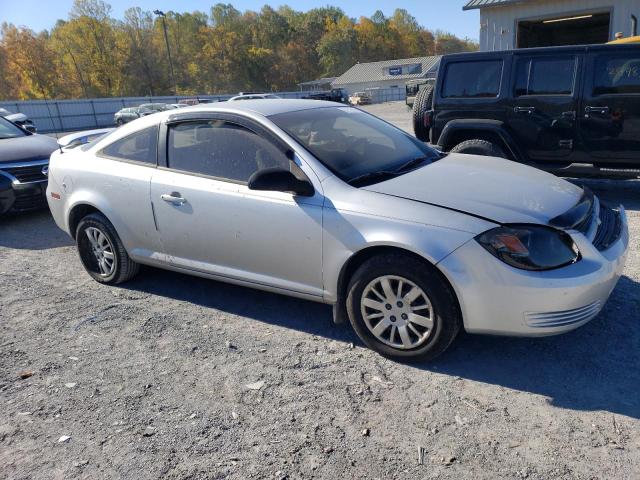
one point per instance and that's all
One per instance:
(433, 14)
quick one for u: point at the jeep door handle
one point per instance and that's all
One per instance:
(599, 110)
(174, 198)
(528, 110)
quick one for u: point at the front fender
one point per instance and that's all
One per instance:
(348, 234)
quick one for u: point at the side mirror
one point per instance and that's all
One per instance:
(277, 179)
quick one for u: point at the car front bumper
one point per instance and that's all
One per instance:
(496, 298)
(22, 188)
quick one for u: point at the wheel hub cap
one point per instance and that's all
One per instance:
(397, 312)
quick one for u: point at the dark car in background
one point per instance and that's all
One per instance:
(19, 119)
(129, 114)
(24, 164)
(573, 110)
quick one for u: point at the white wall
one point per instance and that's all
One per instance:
(498, 25)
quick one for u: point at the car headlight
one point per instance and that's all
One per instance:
(530, 247)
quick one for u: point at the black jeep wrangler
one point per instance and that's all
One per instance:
(556, 108)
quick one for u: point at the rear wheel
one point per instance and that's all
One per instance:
(402, 308)
(421, 105)
(479, 147)
(101, 251)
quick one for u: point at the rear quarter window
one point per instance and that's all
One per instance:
(618, 74)
(472, 79)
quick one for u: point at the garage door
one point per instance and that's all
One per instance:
(583, 29)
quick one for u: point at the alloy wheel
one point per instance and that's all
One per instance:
(102, 250)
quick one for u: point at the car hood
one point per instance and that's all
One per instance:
(23, 149)
(495, 189)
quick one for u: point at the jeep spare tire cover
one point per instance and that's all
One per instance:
(421, 105)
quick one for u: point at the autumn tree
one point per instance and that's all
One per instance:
(91, 54)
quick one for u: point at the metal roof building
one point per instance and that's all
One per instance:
(385, 74)
(507, 24)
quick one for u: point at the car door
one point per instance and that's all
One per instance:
(210, 221)
(543, 113)
(610, 113)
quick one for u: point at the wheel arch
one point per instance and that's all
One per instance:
(77, 213)
(457, 131)
(358, 258)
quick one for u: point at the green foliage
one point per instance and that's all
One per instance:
(91, 54)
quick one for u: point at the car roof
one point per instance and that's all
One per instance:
(539, 50)
(265, 107)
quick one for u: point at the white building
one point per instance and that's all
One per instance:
(386, 79)
(508, 24)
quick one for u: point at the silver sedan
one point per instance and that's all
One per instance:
(331, 204)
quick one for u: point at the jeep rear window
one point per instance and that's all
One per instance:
(616, 75)
(545, 76)
(472, 79)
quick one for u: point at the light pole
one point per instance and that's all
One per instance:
(161, 14)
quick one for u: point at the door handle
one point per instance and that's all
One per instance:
(528, 110)
(599, 110)
(173, 197)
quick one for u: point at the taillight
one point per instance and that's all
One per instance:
(428, 117)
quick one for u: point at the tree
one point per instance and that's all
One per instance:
(91, 54)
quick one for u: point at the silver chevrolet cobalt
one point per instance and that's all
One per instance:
(332, 204)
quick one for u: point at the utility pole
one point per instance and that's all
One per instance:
(161, 14)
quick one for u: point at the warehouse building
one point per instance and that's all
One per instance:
(386, 79)
(507, 24)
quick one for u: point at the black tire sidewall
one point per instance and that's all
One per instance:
(446, 311)
(479, 147)
(100, 222)
(421, 105)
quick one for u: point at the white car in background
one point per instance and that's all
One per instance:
(329, 203)
(254, 96)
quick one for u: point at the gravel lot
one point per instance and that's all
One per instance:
(179, 377)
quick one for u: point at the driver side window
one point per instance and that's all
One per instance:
(221, 149)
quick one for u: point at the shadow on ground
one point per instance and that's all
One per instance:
(32, 231)
(596, 367)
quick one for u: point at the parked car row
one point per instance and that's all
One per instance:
(326, 202)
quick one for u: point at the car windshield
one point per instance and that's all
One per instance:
(355, 145)
(9, 130)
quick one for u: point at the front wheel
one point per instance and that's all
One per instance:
(101, 251)
(402, 308)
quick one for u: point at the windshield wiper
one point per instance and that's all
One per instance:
(411, 164)
(372, 177)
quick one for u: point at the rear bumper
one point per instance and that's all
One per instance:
(498, 299)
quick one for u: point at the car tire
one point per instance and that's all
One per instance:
(421, 105)
(479, 147)
(438, 326)
(119, 122)
(101, 251)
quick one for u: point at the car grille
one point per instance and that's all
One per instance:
(563, 318)
(609, 229)
(27, 174)
(599, 222)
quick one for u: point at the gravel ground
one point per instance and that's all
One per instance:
(179, 377)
